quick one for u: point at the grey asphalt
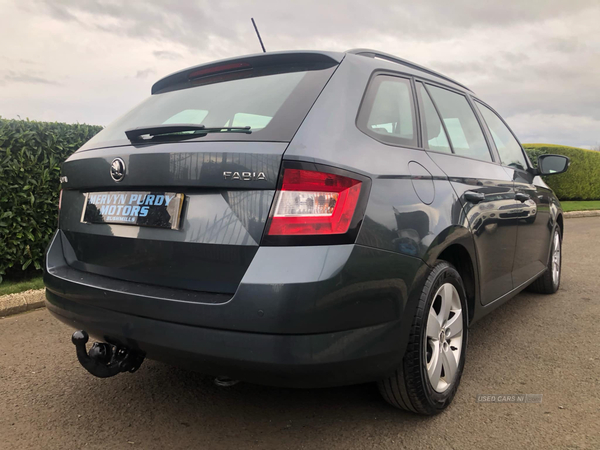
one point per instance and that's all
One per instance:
(534, 344)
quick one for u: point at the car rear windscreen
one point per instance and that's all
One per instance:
(273, 105)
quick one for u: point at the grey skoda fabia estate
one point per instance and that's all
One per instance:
(302, 219)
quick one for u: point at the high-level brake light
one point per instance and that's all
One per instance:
(314, 203)
(219, 69)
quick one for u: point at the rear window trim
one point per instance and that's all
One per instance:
(415, 79)
(419, 83)
(188, 141)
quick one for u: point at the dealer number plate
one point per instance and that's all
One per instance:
(144, 209)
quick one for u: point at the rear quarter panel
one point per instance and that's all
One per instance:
(412, 208)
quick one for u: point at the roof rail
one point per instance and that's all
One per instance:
(391, 58)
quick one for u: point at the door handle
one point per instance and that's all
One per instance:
(474, 197)
(522, 197)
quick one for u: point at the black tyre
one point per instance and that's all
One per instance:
(433, 363)
(549, 281)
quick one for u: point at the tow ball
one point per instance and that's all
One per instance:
(105, 360)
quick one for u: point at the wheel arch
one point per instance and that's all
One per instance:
(559, 221)
(455, 245)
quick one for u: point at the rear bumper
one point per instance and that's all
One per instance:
(301, 317)
(315, 360)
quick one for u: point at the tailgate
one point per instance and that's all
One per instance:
(225, 207)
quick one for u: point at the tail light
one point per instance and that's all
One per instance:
(316, 203)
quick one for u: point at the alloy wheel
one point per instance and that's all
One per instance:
(556, 259)
(443, 337)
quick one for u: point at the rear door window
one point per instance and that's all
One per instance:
(508, 147)
(434, 135)
(388, 111)
(466, 135)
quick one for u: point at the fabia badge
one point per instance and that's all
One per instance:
(244, 176)
(117, 169)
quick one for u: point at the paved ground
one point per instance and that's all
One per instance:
(534, 344)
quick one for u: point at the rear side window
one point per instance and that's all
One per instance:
(463, 128)
(388, 113)
(435, 136)
(509, 149)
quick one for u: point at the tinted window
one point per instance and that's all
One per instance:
(508, 147)
(434, 134)
(188, 116)
(463, 128)
(388, 112)
(254, 121)
(273, 105)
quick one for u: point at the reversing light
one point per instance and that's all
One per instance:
(314, 203)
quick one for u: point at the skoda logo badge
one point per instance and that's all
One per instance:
(117, 169)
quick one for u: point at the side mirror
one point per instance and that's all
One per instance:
(552, 164)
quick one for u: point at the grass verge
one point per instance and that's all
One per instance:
(580, 206)
(13, 287)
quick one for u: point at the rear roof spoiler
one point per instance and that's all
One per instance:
(255, 61)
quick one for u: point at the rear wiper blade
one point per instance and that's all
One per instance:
(229, 129)
(135, 134)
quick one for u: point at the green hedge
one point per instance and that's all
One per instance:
(30, 157)
(581, 181)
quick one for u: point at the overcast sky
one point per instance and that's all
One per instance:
(537, 62)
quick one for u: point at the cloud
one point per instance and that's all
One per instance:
(144, 73)
(21, 77)
(165, 54)
(192, 22)
(535, 62)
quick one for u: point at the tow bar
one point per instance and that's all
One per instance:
(105, 360)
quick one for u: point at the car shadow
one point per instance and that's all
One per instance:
(189, 403)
